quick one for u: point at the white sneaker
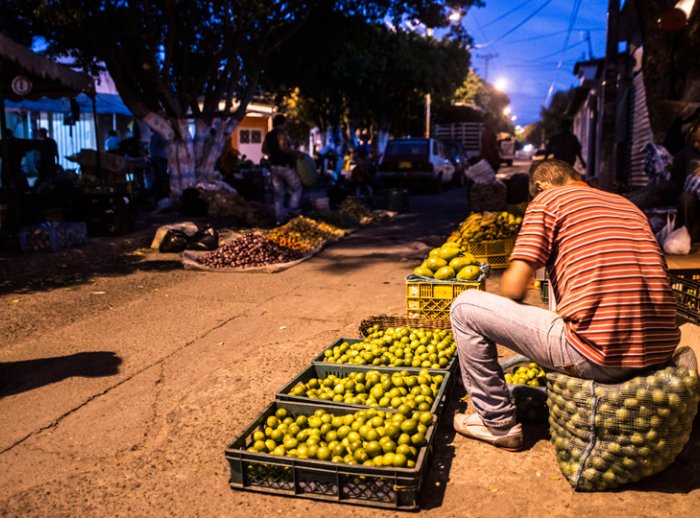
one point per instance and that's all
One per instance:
(471, 426)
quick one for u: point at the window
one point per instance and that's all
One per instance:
(256, 136)
(244, 136)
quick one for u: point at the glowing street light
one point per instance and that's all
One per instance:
(514, 118)
(507, 110)
(501, 84)
(455, 16)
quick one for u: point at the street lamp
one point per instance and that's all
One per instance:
(501, 84)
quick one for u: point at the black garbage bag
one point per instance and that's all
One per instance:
(175, 241)
(207, 239)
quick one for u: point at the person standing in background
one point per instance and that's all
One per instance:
(489, 144)
(565, 146)
(112, 141)
(285, 180)
(48, 157)
(159, 163)
(685, 171)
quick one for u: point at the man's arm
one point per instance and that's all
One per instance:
(516, 279)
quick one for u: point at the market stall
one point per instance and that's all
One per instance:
(25, 75)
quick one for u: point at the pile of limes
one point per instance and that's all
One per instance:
(401, 390)
(530, 374)
(368, 437)
(397, 347)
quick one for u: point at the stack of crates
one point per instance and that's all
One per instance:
(432, 299)
(495, 253)
(386, 486)
(686, 289)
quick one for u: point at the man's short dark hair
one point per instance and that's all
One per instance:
(43, 132)
(278, 120)
(555, 172)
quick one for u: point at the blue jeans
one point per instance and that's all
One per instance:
(285, 180)
(480, 320)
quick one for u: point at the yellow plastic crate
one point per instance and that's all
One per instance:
(495, 253)
(433, 299)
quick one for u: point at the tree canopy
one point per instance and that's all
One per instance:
(476, 91)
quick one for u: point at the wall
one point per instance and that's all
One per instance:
(248, 137)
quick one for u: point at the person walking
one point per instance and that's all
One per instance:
(565, 146)
(489, 144)
(616, 311)
(285, 180)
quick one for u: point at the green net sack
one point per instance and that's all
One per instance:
(609, 435)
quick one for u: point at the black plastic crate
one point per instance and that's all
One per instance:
(395, 488)
(686, 288)
(323, 370)
(451, 367)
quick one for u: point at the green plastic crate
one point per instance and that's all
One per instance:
(321, 370)
(387, 487)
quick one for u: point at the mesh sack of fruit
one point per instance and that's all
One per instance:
(606, 435)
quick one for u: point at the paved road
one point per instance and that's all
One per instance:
(121, 386)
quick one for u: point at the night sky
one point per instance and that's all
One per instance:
(528, 56)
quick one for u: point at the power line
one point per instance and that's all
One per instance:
(549, 35)
(572, 22)
(508, 13)
(517, 26)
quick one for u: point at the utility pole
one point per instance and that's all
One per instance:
(427, 98)
(607, 172)
(590, 45)
(487, 59)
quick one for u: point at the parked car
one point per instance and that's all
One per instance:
(414, 161)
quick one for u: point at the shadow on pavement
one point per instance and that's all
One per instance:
(22, 376)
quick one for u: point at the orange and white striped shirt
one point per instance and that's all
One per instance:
(607, 273)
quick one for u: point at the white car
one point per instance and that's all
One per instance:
(413, 160)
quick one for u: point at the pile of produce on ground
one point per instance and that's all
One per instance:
(486, 226)
(351, 206)
(304, 234)
(250, 250)
(401, 390)
(335, 218)
(368, 437)
(448, 262)
(609, 435)
(397, 347)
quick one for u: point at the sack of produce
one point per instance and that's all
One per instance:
(204, 240)
(306, 169)
(609, 435)
(174, 242)
(484, 197)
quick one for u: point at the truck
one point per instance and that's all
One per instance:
(468, 134)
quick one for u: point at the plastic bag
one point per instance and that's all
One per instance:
(307, 171)
(606, 435)
(207, 239)
(187, 227)
(678, 242)
(662, 234)
(481, 172)
(175, 241)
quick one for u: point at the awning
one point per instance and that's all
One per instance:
(48, 79)
(104, 103)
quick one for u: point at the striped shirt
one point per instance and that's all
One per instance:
(608, 275)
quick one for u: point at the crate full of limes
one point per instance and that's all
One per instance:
(358, 386)
(395, 348)
(367, 457)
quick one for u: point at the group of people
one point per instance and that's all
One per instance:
(32, 157)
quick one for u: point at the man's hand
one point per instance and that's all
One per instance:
(516, 278)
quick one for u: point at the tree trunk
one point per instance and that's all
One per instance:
(208, 147)
(181, 161)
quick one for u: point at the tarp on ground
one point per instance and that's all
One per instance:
(105, 103)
